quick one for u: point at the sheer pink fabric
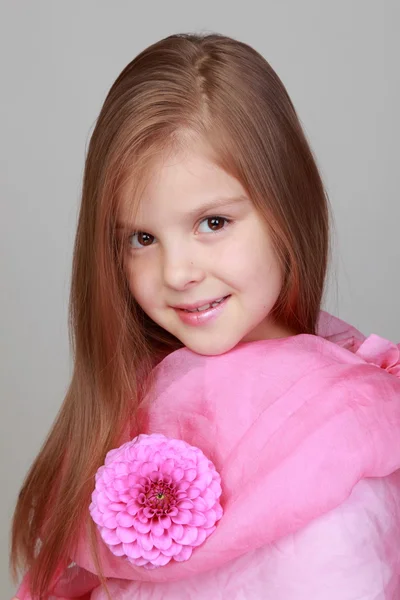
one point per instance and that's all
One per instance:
(305, 432)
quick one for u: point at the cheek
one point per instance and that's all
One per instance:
(267, 272)
(140, 282)
(252, 266)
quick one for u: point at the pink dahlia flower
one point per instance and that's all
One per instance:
(155, 500)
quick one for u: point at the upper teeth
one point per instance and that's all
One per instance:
(206, 306)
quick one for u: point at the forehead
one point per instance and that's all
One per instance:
(176, 183)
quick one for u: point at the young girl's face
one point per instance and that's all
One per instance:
(197, 238)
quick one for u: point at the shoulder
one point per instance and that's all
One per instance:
(278, 364)
(305, 384)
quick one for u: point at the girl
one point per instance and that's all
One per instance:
(199, 268)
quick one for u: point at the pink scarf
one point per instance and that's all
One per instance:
(291, 424)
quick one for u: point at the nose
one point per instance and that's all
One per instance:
(181, 269)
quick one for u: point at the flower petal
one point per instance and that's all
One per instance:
(184, 554)
(177, 474)
(117, 506)
(124, 519)
(163, 542)
(173, 550)
(109, 536)
(133, 507)
(142, 527)
(147, 468)
(133, 550)
(145, 541)
(200, 504)
(162, 560)
(139, 562)
(193, 492)
(112, 494)
(190, 474)
(121, 485)
(126, 534)
(156, 528)
(183, 517)
(189, 536)
(102, 501)
(183, 486)
(176, 532)
(96, 515)
(167, 466)
(151, 554)
(211, 517)
(202, 535)
(121, 469)
(209, 498)
(184, 504)
(218, 511)
(111, 522)
(118, 550)
(198, 519)
(165, 521)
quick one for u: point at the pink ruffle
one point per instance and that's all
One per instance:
(377, 351)
(373, 349)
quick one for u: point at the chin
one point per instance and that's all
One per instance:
(210, 347)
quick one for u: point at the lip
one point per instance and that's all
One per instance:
(198, 304)
(203, 317)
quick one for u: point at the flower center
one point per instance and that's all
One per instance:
(160, 497)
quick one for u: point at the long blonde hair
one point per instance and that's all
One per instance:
(224, 92)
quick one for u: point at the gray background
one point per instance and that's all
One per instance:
(339, 61)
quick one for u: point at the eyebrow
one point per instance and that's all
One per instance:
(216, 203)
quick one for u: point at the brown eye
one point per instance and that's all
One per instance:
(214, 224)
(140, 239)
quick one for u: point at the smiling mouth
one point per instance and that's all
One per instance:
(205, 306)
